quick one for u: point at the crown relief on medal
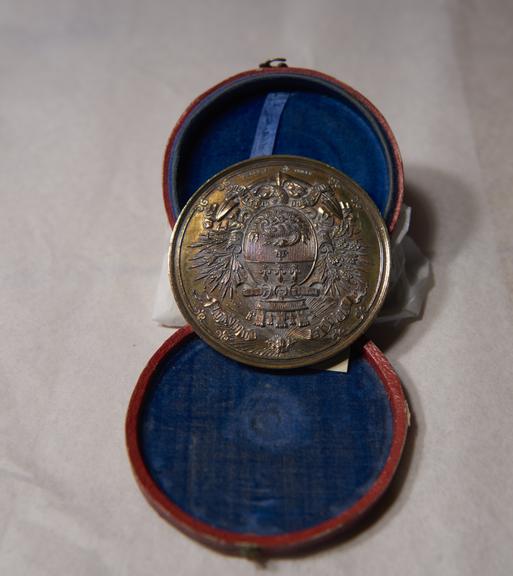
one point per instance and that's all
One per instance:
(289, 251)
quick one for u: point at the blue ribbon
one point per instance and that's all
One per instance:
(268, 123)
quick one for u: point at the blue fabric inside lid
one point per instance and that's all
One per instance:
(262, 452)
(319, 120)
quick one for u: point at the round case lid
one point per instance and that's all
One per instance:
(291, 111)
(245, 459)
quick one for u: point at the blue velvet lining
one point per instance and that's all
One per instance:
(319, 121)
(262, 452)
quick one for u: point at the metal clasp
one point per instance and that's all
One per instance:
(274, 63)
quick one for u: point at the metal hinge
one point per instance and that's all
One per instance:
(274, 63)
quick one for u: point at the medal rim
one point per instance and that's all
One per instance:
(321, 356)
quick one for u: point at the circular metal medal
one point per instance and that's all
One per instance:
(280, 261)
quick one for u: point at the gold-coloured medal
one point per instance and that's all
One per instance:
(280, 261)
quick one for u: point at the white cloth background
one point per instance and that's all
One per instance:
(89, 91)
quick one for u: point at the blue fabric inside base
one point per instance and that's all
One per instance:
(262, 452)
(319, 120)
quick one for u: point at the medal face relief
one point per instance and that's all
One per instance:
(280, 261)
